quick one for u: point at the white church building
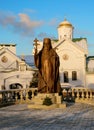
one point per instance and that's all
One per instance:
(76, 68)
(14, 72)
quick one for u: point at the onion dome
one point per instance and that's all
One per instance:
(65, 23)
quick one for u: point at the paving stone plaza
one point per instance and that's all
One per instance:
(76, 117)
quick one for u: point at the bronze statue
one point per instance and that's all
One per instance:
(47, 61)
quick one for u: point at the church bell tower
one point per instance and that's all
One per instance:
(65, 29)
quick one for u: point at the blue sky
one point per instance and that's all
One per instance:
(21, 21)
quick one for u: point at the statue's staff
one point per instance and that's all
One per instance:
(58, 45)
(36, 45)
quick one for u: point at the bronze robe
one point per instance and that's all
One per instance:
(48, 77)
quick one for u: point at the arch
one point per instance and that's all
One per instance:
(15, 86)
(66, 79)
(74, 75)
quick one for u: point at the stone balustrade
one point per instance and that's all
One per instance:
(26, 95)
(83, 93)
(17, 95)
(78, 94)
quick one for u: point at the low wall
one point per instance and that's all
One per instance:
(14, 96)
(84, 95)
(17, 96)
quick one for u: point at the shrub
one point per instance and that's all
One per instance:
(47, 101)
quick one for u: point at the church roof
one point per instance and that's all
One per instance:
(65, 23)
(3, 44)
(78, 39)
(90, 58)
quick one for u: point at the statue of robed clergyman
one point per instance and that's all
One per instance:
(47, 62)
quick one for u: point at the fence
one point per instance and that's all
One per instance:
(17, 96)
(14, 96)
(78, 94)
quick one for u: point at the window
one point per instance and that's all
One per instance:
(66, 80)
(74, 75)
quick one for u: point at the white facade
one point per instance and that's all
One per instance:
(90, 64)
(71, 59)
(13, 70)
(11, 47)
(73, 54)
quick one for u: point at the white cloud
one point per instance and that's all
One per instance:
(21, 23)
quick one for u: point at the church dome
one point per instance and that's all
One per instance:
(65, 23)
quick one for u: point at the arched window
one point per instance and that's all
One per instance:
(74, 75)
(66, 80)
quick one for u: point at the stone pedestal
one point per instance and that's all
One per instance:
(37, 101)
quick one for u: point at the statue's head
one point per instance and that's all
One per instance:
(47, 44)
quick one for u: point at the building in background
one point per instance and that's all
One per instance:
(15, 73)
(76, 68)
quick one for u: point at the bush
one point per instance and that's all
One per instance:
(34, 82)
(47, 101)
